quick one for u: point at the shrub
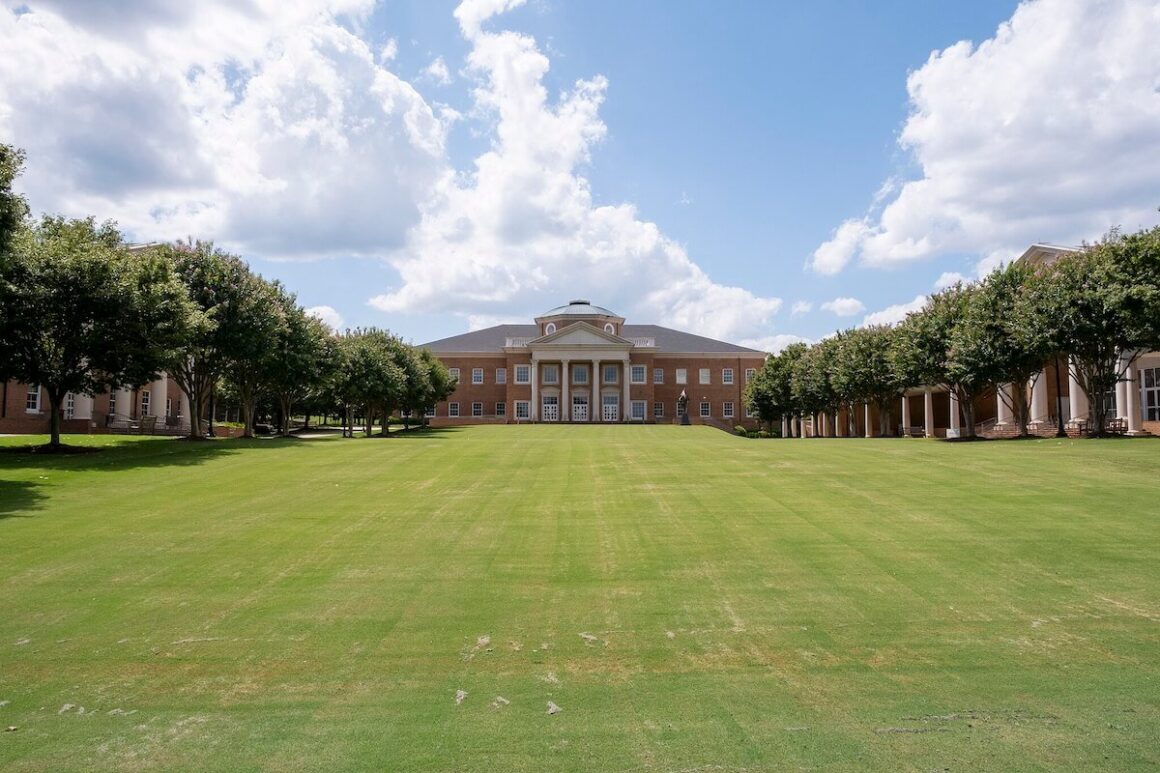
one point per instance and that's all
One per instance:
(763, 434)
(740, 430)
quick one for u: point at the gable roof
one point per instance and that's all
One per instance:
(580, 330)
(668, 341)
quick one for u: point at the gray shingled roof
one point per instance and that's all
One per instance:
(492, 339)
(580, 308)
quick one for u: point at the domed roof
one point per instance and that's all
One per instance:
(580, 308)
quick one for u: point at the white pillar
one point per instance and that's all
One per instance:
(565, 382)
(626, 370)
(534, 408)
(1004, 410)
(866, 414)
(803, 432)
(83, 407)
(1076, 399)
(905, 416)
(594, 406)
(125, 405)
(955, 426)
(158, 395)
(1121, 392)
(836, 424)
(1039, 409)
(784, 426)
(928, 412)
(1132, 386)
(825, 425)
(185, 422)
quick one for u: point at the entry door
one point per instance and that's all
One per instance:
(611, 405)
(551, 408)
(579, 408)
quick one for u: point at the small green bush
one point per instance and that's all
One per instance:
(740, 430)
(763, 434)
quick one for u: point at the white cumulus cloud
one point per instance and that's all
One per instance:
(894, 314)
(438, 72)
(801, 307)
(947, 279)
(775, 343)
(522, 229)
(1048, 131)
(328, 315)
(844, 307)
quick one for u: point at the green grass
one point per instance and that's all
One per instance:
(689, 599)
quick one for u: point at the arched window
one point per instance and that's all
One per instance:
(608, 328)
(549, 328)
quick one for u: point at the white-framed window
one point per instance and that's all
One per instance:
(549, 328)
(477, 409)
(146, 399)
(706, 410)
(32, 399)
(430, 412)
(501, 375)
(454, 374)
(501, 409)
(638, 374)
(608, 328)
(453, 410)
(658, 410)
(523, 409)
(682, 376)
(749, 374)
(703, 376)
(168, 406)
(523, 374)
(1150, 397)
(610, 374)
(658, 375)
(749, 414)
(727, 410)
(477, 375)
(113, 403)
(70, 405)
(727, 375)
(677, 408)
(551, 374)
(579, 374)
(638, 408)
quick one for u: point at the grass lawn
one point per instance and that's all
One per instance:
(689, 600)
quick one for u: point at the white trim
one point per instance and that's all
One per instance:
(453, 410)
(658, 410)
(32, 399)
(632, 374)
(633, 405)
(727, 376)
(501, 375)
(526, 413)
(501, 408)
(704, 376)
(524, 370)
(727, 410)
(706, 409)
(476, 409)
(682, 376)
(658, 375)
(477, 375)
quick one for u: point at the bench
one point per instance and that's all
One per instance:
(1116, 426)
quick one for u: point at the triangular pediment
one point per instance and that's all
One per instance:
(580, 334)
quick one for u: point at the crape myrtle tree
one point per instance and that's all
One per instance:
(922, 351)
(810, 385)
(370, 377)
(1104, 302)
(216, 283)
(82, 314)
(303, 359)
(1005, 334)
(772, 394)
(864, 372)
(437, 385)
(257, 318)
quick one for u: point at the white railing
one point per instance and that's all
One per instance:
(517, 342)
(651, 342)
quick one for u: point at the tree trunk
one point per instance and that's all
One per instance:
(286, 403)
(967, 406)
(247, 417)
(55, 398)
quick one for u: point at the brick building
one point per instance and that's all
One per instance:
(24, 409)
(583, 364)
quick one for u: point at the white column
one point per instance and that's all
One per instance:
(158, 394)
(1004, 410)
(185, 422)
(125, 407)
(784, 426)
(1132, 386)
(534, 408)
(928, 412)
(1121, 392)
(836, 424)
(1076, 399)
(802, 431)
(594, 406)
(905, 416)
(565, 382)
(866, 412)
(626, 371)
(1039, 397)
(955, 427)
(825, 428)
(83, 407)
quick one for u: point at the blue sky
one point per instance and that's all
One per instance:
(754, 171)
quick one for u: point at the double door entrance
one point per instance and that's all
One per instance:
(609, 408)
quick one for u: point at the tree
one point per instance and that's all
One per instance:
(1104, 302)
(303, 358)
(437, 384)
(370, 378)
(215, 283)
(922, 351)
(81, 314)
(864, 372)
(772, 394)
(13, 208)
(258, 320)
(811, 387)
